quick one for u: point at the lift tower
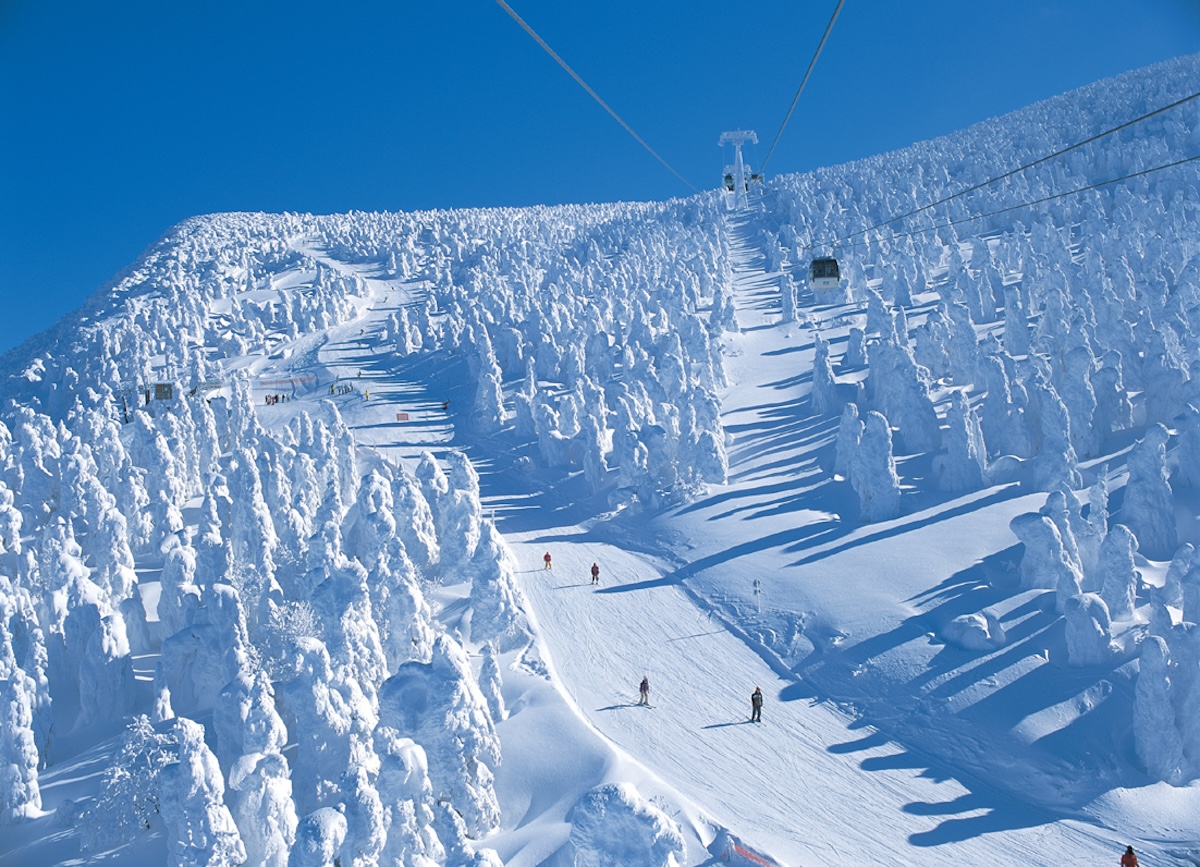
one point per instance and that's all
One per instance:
(737, 138)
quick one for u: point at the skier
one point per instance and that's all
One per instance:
(1129, 859)
(644, 691)
(756, 705)
(546, 560)
(595, 574)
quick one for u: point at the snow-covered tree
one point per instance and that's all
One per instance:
(1117, 576)
(1149, 507)
(1089, 630)
(614, 826)
(200, 829)
(439, 705)
(260, 797)
(1155, 731)
(873, 471)
(130, 792)
(19, 792)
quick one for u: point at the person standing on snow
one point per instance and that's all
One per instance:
(644, 691)
(547, 561)
(595, 574)
(756, 705)
(1129, 859)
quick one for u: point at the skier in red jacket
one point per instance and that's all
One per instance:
(1129, 859)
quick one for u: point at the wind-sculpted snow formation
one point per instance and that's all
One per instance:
(287, 587)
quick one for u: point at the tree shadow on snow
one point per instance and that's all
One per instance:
(1000, 815)
(905, 524)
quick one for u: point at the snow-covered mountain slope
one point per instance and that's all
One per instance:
(275, 506)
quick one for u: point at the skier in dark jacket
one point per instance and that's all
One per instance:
(644, 691)
(756, 705)
(595, 574)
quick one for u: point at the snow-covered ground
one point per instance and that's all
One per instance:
(900, 509)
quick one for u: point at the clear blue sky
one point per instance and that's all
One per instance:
(118, 120)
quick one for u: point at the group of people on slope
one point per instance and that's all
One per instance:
(549, 564)
(1129, 859)
(756, 700)
(756, 697)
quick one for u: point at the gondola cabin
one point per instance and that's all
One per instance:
(823, 274)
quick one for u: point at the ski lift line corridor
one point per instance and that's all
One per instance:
(702, 668)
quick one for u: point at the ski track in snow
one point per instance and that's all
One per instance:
(810, 785)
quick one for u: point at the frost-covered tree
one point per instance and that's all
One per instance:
(260, 798)
(403, 616)
(331, 718)
(245, 719)
(1064, 510)
(19, 792)
(106, 685)
(849, 433)
(350, 633)
(414, 522)
(1054, 461)
(1044, 563)
(824, 385)
(408, 800)
(1088, 630)
(201, 658)
(490, 683)
(366, 828)
(614, 826)
(177, 581)
(200, 829)
(1002, 418)
(873, 471)
(1117, 576)
(130, 793)
(962, 465)
(439, 705)
(320, 837)
(1155, 730)
(497, 609)
(371, 522)
(1149, 507)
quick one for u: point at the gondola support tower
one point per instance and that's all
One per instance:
(737, 138)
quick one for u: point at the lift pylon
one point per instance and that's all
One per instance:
(735, 175)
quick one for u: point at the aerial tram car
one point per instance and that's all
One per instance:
(823, 274)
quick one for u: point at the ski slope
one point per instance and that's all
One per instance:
(814, 783)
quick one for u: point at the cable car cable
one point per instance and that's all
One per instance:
(1036, 162)
(804, 81)
(1028, 204)
(515, 17)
